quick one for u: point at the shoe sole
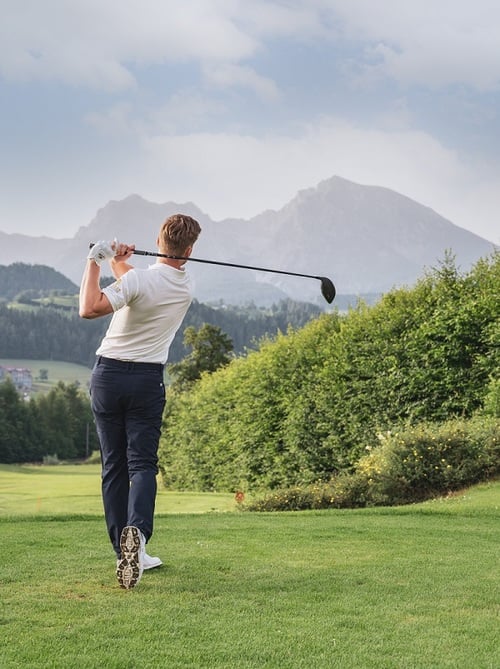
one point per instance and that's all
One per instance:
(128, 571)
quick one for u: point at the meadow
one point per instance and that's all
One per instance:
(403, 587)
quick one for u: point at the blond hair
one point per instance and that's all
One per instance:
(178, 233)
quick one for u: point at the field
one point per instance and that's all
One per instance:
(405, 587)
(67, 372)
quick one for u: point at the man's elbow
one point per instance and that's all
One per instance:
(85, 312)
(90, 310)
(94, 308)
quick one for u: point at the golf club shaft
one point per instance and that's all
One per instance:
(224, 264)
(327, 287)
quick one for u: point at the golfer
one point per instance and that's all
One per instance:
(127, 390)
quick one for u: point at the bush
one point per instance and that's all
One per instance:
(430, 459)
(346, 491)
(51, 460)
(94, 458)
(408, 466)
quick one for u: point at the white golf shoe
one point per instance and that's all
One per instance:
(131, 565)
(151, 562)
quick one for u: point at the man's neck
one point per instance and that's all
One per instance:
(171, 262)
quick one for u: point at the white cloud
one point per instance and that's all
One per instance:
(229, 75)
(116, 120)
(184, 108)
(299, 19)
(96, 42)
(427, 43)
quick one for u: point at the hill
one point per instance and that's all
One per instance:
(38, 279)
(52, 333)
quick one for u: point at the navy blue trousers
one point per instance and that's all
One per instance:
(127, 402)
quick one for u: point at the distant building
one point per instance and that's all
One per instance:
(21, 377)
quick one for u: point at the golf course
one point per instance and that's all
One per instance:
(415, 586)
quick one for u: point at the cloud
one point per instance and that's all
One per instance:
(230, 75)
(103, 43)
(428, 43)
(186, 108)
(116, 120)
(98, 43)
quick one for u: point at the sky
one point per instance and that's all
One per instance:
(236, 105)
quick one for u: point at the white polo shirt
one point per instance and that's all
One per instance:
(149, 306)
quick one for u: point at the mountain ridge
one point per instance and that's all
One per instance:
(367, 239)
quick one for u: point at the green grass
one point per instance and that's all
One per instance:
(382, 588)
(57, 491)
(65, 301)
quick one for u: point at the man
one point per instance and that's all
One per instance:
(127, 390)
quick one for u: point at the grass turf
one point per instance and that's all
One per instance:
(60, 490)
(385, 588)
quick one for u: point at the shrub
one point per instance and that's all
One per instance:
(51, 460)
(431, 459)
(346, 491)
(94, 458)
(407, 466)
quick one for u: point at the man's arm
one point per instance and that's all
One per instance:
(119, 267)
(93, 302)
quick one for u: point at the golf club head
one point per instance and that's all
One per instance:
(327, 289)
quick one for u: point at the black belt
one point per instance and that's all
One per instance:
(130, 365)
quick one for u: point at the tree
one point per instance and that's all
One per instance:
(64, 415)
(12, 423)
(211, 349)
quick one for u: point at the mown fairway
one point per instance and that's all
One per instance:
(31, 490)
(382, 588)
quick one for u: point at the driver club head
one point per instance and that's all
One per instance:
(327, 289)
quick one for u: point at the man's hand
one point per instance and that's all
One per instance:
(118, 263)
(122, 252)
(102, 251)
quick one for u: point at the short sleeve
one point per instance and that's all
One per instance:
(123, 291)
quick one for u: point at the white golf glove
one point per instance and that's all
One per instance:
(102, 251)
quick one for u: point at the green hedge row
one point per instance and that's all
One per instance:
(304, 407)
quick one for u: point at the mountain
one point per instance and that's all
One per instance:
(367, 239)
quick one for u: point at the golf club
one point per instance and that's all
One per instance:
(327, 287)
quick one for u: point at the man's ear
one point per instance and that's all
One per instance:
(188, 252)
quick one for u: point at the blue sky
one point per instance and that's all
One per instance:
(236, 105)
